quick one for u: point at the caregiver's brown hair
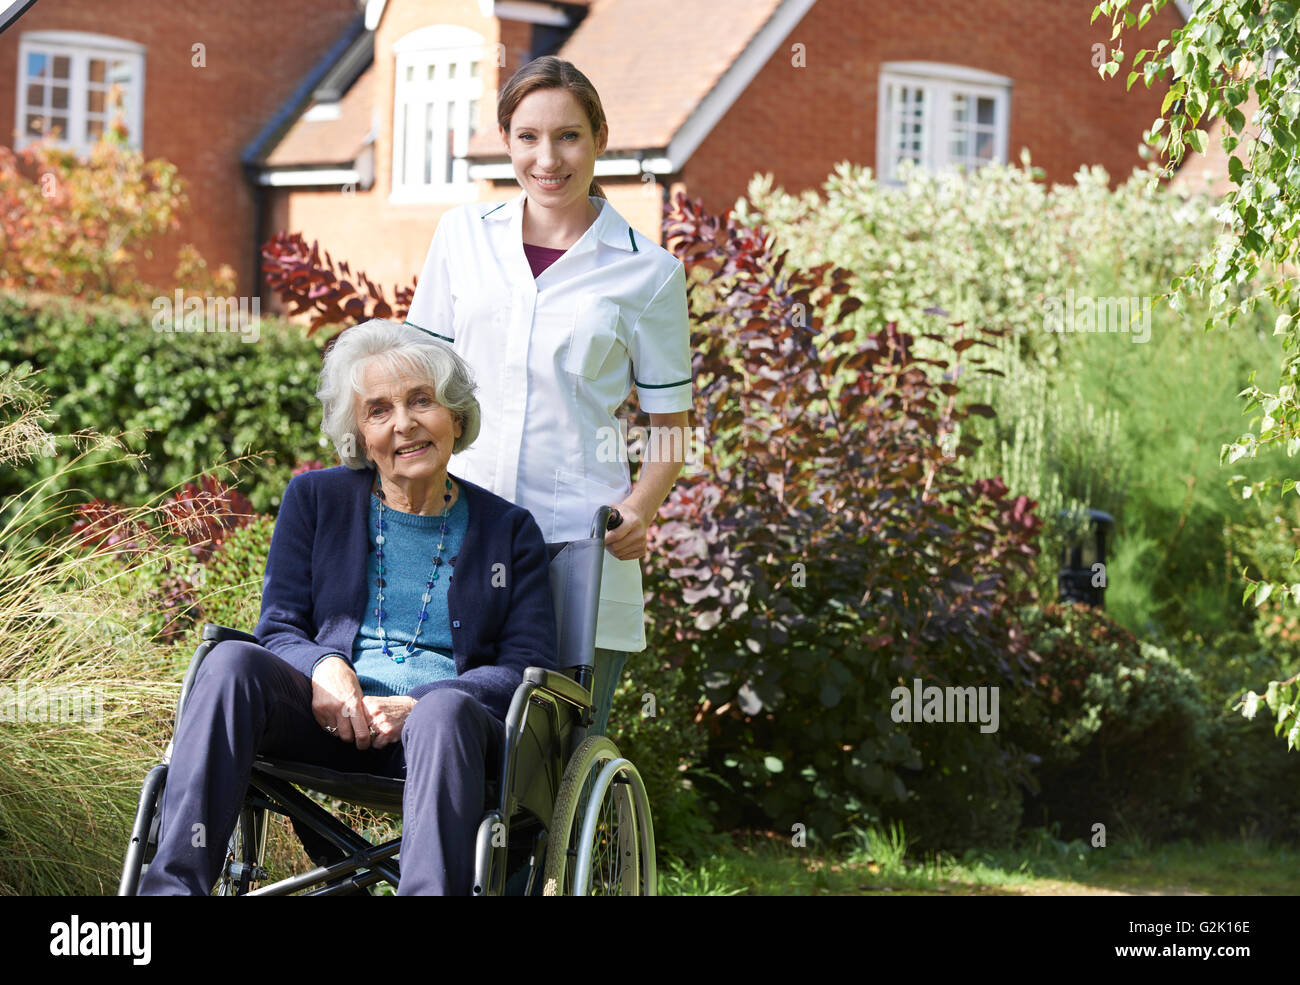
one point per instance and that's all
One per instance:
(549, 72)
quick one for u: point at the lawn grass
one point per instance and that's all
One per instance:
(1040, 865)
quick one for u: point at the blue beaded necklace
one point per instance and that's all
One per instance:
(381, 526)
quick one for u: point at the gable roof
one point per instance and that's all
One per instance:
(666, 72)
(351, 53)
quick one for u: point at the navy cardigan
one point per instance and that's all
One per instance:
(499, 600)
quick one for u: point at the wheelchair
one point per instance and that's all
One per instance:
(566, 814)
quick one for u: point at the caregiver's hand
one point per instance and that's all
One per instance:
(627, 540)
(387, 716)
(336, 701)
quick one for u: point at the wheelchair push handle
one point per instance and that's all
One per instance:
(606, 518)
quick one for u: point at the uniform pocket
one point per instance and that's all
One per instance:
(577, 499)
(595, 331)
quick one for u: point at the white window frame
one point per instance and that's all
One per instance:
(940, 83)
(420, 108)
(81, 47)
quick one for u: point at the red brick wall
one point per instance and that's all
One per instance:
(798, 122)
(201, 119)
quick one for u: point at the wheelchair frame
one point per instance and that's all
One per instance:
(551, 788)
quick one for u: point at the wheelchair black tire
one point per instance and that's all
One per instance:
(247, 845)
(630, 822)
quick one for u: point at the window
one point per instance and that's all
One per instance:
(71, 85)
(435, 112)
(940, 116)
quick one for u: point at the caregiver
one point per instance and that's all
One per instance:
(560, 307)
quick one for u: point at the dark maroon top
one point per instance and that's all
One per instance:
(541, 257)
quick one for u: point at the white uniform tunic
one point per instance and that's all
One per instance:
(554, 358)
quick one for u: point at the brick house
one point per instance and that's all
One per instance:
(380, 115)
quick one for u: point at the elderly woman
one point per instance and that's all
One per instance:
(400, 607)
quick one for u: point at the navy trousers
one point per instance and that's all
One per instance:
(246, 702)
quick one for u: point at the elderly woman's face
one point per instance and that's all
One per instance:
(407, 433)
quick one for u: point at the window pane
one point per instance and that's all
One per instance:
(985, 111)
(121, 73)
(473, 117)
(95, 100)
(59, 97)
(94, 129)
(451, 71)
(62, 66)
(984, 146)
(907, 126)
(35, 126)
(473, 70)
(428, 143)
(450, 156)
(957, 147)
(410, 73)
(960, 108)
(433, 73)
(35, 96)
(37, 65)
(98, 69)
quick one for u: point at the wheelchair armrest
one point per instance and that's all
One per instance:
(560, 685)
(215, 633)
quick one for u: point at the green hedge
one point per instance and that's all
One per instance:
(204, 398)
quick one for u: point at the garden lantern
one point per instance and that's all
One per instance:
(1083, 564)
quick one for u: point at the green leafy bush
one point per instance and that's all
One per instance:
(1122, 729)
(800, 579)
(1083, 419)
(203, 397)
(230, 587)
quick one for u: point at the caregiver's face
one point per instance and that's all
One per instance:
(552, 147)
(407, 433)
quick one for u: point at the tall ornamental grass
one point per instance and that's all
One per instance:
(86, 695)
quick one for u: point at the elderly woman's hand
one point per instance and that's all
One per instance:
(336, 701)
(387, 716)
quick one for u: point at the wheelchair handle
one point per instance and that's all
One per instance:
(606, 518)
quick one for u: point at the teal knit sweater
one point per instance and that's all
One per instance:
(410, 543)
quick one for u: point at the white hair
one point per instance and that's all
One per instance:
(399, 348)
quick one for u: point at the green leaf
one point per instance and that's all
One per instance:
(773, 764)
(1265, 590)
(1250, 704)
(1197, 139)
(1282, 324)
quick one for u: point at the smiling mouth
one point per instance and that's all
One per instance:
(413, 450)
(550, 182)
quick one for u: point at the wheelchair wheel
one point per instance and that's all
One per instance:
(601, 836)
(243, 865)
